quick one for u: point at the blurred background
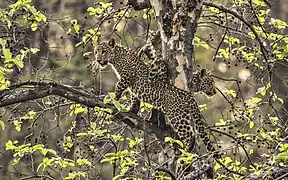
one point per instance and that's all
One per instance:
(60, 61)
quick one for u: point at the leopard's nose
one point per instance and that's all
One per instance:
(209, 93)
(101, 62)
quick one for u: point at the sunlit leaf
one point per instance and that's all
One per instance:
(34, 26)
(214, 10)
(230, 92)
(251, 124)
(34, 50)
(259, 2)
(2, 124)
(221, 122)
(202, 107)
(255, 100)
(278, 23)
(2, 42)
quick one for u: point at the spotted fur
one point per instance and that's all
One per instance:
(179, 106)
(201, 80)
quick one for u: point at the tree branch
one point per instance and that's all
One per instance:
(190, 30)
(139, 5)
(163, 169)
(35, 90)
(250, 26)
(197, 174)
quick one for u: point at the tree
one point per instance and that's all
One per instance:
(58, 124)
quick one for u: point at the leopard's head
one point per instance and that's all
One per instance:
(105, 52)
(204, 82)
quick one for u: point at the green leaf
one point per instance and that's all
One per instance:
(145, 16)
(3, 42)
(4, 84)
(52, 151)
(117, 137)
(278, 23)
(259, 2)
(34, 26)
(112, 95)
(2, 124)
(224, 52)
(81, 134)
(283, 156)
(108, 110)
(93, 125)
(18, 62)
(117, 105)
(231, 40)
(32, 113)
(145, 106)
(214, 10)
(273, 120)
(74, 21)
(106, 160)
(261, 19)
(251, 124)
(105, 5)
(76, 27)
(106, 100)
(75, 175)
(203, 107)
(92, 11)
(263, 133)
(34, 50)
(221, 122)
(17, 125)
(255, 100)
(186, 157)
(281, 100)
(7, 54)
(227, 160)
(132, 142)
(9, 24)
(84, 162)
(171, 141)
(261, 91)
(38, 147)
(10, 145)
(198, 42)
(251, 112)
(217, 166)
(80, 110)
(230, 92)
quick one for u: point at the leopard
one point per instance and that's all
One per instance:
(157, 66)
(178, 105)
(201, 81)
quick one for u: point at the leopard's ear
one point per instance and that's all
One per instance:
(112, 42)
(203, 72)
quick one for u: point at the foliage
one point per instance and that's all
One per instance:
(49, 129)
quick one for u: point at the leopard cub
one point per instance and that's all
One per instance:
(178, 105)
